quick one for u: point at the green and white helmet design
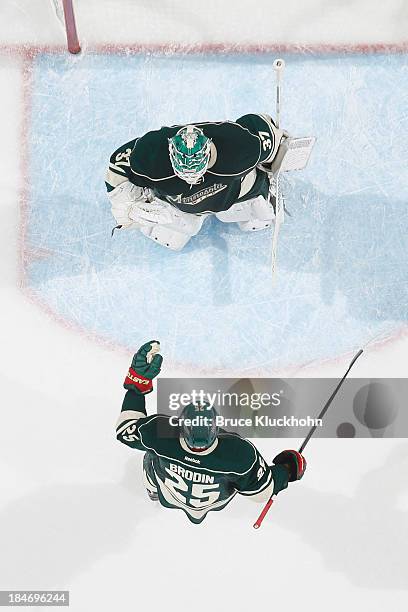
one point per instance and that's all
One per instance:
(198, 426)
(190, 153)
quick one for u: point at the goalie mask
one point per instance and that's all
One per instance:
(190, 153)
(198, 426)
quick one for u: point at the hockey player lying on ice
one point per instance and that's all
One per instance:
(195, 468)
(168, 181)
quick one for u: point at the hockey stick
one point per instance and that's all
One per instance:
(272, 498)
(278, 66)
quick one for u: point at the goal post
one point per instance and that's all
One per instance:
(64, 10)
(70, 26)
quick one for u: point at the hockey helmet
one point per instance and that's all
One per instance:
(190, 153)
(198, 426)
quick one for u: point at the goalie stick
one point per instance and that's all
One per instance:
(293, 154)
(272, 498)
(278, 66)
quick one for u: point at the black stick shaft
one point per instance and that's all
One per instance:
(329, 401)
(309, 435)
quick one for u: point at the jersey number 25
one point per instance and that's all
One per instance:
(199, 496)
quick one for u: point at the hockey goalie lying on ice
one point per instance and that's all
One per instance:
(168, 181)
(195, 468)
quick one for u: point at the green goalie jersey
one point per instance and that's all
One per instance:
(236, 171)
(196, 482)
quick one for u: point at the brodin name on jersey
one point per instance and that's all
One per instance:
(191, 475)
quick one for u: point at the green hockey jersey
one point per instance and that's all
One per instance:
(195, 482)
(235, 172)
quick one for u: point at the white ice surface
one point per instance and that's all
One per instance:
(72, 510)
(244, 21)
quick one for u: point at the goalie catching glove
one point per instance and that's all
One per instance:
(146, 365)
(294, 462)
(123, 200)
(133, 205)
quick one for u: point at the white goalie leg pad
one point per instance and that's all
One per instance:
(186, 223)
(252, 215)
(176, 234)
(240, 211)
(166, 236)
(261, 216)
(151, 213)
(262, 210)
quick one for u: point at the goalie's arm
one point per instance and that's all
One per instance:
(265, 129)
(123, 192)
(119, 166)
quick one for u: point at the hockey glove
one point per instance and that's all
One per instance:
(146, 364)
(294, 461)
(123, 198)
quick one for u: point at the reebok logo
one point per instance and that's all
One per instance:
(191, 459)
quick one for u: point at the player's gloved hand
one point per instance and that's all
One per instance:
(145, 366)
(294, 461)
(123, 198)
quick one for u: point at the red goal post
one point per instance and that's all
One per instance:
(64, 10)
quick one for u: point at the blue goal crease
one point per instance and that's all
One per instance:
(342, 255)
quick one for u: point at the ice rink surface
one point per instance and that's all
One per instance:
(343, 255)
(73, 513)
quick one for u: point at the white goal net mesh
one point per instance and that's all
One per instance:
(59, 11)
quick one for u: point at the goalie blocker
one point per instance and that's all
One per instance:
(293, 154)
